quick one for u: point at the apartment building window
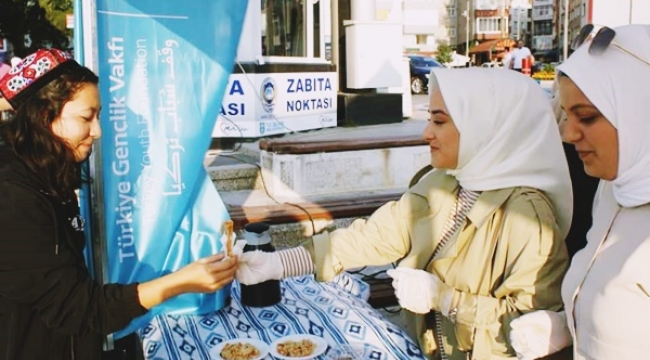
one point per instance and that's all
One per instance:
(451, 10)
(543, 28)
(451, 32)
(488, 25)
(421, 39)
(544, 11)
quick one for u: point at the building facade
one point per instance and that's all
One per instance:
(544, 39)
(426, 23)
(521, 21)
(610, 13)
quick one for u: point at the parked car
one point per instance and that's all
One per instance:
(492, 64)
(420, 68)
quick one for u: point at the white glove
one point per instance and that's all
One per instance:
(238, 248)
(418, 291)
(539, 333)
(258, 266)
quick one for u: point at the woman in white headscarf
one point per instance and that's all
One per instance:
(479, 239)
(606, 292)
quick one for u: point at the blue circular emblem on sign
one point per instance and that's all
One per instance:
(267, 93)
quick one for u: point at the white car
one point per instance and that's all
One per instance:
(492, 65)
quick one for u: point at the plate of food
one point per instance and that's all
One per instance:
(241, 349)
(298, 347)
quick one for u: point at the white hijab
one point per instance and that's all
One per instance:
(508, 135)
(617, 84)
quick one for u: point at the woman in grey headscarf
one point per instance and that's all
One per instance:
(606, 292)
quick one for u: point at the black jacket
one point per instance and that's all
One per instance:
(50, 307)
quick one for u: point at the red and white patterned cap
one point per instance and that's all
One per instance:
(33, 73)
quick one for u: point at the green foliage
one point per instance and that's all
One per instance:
(42, 20)
(548, 68)
(444, 54)
(57, 5)
(56, 11)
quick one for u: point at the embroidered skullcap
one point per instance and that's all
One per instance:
(33, 73)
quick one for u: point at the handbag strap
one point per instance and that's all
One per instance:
(457, 216)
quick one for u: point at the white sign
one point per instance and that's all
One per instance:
(256, 105)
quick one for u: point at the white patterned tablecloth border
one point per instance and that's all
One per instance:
(307, 307)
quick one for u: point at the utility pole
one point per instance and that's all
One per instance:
(565, 35)
(334, 42)
(467, 15)
(518, 24)
(502, 18)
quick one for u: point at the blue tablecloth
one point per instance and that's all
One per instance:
(336, 311)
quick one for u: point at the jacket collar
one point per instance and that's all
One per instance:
(488, 202)
(441, 190)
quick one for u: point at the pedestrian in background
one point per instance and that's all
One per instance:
(520, 53)
(50, 307)
(507, 58)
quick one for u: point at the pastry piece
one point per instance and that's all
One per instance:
(228, 229)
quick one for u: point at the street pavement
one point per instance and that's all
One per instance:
(420, 107)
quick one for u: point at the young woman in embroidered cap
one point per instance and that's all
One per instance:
(606, 291)
(50, 308)
(479, 239)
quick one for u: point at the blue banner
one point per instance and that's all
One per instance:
(163, 68)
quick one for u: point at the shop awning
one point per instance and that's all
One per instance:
(486, 46)
(496, 45)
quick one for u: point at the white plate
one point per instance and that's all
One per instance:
(321, 346)
(259, 344)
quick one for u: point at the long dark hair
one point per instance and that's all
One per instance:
(29, 132)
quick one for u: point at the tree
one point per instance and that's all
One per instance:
(56, 11)
(43, 21)
(444, 54)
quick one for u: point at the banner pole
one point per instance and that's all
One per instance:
(86, 54)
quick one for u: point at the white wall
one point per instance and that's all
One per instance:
(617, 12)
(641, 12)
(250, 44)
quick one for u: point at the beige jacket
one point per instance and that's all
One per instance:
(508, 259)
